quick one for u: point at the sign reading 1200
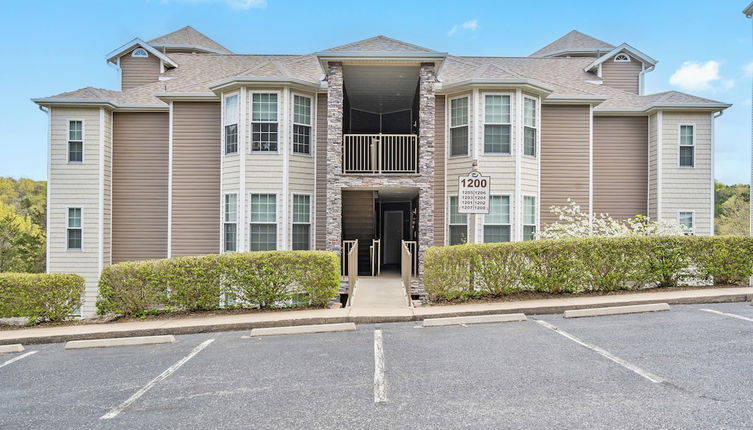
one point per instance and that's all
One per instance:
(473, 194)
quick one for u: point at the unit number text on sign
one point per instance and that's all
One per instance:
(473, 194)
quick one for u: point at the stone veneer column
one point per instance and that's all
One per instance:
(334, 155)
(426, 111)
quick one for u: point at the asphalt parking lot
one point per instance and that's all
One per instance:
(687, 368)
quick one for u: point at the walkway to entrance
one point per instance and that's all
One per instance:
(379, 292)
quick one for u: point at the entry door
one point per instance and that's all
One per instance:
(393, 236)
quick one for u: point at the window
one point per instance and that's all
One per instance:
(301, 222)
(459, 126)
(74, 237)
(622, 58)
(529, 218)
(529, 127)
(264, 122)
(263, 222)
(301, 125)
(497, 221)
(687, 146)
(75, 141)
(231, 223)
(140, 52)
(458, 224)
(231, 124)
(497, 124)
(687, 221)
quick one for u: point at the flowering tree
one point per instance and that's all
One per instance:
(572, 222)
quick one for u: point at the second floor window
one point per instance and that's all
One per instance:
(74, 232)
(459, 126)
(263, 228)
(230, 227)
(301, 125)
(231, 124)
(529, 217)
(264, 122)
(497, 221)
(458, 224)
(529, 127)
(497, 124)
(75, 141)
(687, 146)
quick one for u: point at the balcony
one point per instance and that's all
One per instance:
(380, 153)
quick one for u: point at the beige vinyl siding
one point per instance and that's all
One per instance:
(620, 165)
(302, 167)
(196, 178)
(687, 189)
(624, 76)
(107, 188)
(652, 163)
(140, 171)
(564, 158)
(75, 185)
(439, 170)
(135, 71)
(321, 172)
(458, 165)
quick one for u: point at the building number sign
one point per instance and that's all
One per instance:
(473, 193)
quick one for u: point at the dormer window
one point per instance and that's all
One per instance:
(622, 58)
(140, 52)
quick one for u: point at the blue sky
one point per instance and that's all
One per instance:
(56, 46)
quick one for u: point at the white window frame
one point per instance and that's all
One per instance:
(484, 123)
(536, 127)
(67, 220)
(277, 216)
(146, 54)
(622, 54)
(450, 223)
(680, 145)
(226, 122)
(535, 213)
(691, 232)
(311, 217)
(467, 125)
(509, 216)
(225, 221)
(68, 140)
(293, 123)
(251, 122)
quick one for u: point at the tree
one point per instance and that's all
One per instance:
(22, 243)
(732, 206)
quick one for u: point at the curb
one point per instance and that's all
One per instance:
(14, 347)
(119, 341)
(302, 329)
(478, 319)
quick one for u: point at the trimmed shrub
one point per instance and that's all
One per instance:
(252, 279)
(585, 264)
(40, 297)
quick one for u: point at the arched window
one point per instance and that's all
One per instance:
(141, 52)
(622, 58)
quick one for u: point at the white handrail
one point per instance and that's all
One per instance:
(380, 153)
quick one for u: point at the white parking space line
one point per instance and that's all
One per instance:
(14, 359)
(740, 317)
(117, 410)
(380, 394)
(650, 376)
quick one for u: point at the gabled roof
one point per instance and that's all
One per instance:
(113, 56)
(379, 44)
(573, 42)
(622, 48)
(189, 38)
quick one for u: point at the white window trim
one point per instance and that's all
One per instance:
(68, 140)
(537, 127)
(146, 54)
(467, 124)
(692, 213)
(680, 145)
(626, 60)
(450, 223)
(484, 123)
(536, 212)
(67, 210)
(311, 219)
(251, 122)
(223, 210)
(278, 244)
(509, 214)
(225, 123)
(312, 118)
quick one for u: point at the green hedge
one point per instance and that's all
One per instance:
(40, 297)
(251, 279)
(590, 264)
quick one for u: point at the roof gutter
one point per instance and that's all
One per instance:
(187, 97)
(233, 82)
(529, 84)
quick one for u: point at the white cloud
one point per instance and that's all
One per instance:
(233, 4)
(471, 25)
(692, 76)
(748, 69)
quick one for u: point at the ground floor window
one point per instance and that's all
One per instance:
(687, 220)
(263, 226)
(529, 217)
(231, 223)
(458, 224)
(74, 235)
(301, 222)
(497, 221)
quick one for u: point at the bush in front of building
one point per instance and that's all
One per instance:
(252, 279)
(40, 297)
(595, 264)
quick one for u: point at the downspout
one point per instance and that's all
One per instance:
(749, 14)
(642, 79)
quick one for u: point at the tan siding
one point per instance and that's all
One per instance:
(107, 190)
(196, 178)
(135, 71)
(140, 171)
(652, 173)
(620, 157)
(439, 166)
(622, 75)
(564, 157)
(321, 171)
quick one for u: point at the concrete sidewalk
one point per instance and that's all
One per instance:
(375, 315)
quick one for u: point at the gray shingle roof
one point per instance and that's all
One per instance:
(573, 41)
(189, 36)
(379, 44)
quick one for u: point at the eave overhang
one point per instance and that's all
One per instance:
(113, 56)
(109, 104)
(235, 82)
(656, 107)
(190, 47)
(530, 85)
(187, 97)
(567, 99)
(356, 57)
